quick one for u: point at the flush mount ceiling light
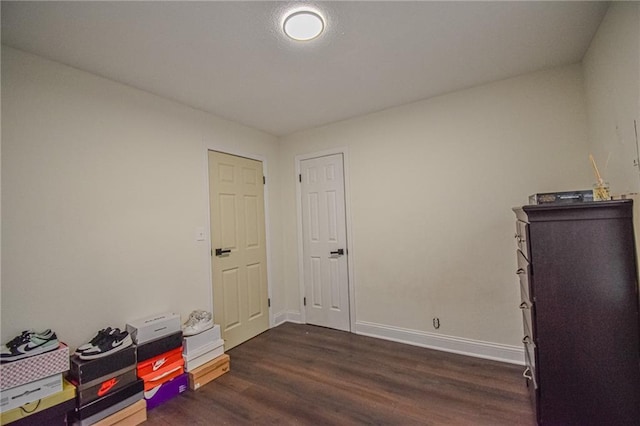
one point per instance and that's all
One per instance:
(303, 25)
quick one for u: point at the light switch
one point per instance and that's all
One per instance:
(200, 234)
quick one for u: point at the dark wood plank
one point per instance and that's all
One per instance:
(301, 374)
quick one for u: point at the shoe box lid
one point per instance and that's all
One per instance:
(133, 414)
(73, 419)
(191, 363)
(16, 373)
(210, 346)
(158, 362)
(131, 391)
(166, 391)
(84, 371)
(29, 392)
(159, 346)
(105, 386)
(153, 327)
(29, 414)
(195, 342)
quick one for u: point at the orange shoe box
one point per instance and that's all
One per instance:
(209, 371)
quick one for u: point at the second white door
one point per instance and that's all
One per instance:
(325, 261)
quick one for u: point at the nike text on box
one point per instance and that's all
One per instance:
(153, 327)
(50, 410)
(203, 355)
(106, 385)
(208, 372)
(37, 367)
(166, 391)
(85, 371)
(29, 392)
(193, 343)
(159, 346)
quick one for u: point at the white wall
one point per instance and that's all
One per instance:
(103, 187)
(432, 187)
(612, 86)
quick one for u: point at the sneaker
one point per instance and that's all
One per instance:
(98, 337)
(197, 322)
(29, 343)
(109, 344)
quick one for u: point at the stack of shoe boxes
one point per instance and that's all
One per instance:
(105, 387)
(160, 363)
(33, 391)
(204, 357)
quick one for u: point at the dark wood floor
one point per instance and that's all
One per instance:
(301, 374)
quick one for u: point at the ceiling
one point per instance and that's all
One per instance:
(231, 58)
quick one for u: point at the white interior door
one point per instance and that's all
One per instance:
(238, 241)
(325, 265)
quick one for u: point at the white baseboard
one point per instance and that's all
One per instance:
(286, 316)
(458, 345)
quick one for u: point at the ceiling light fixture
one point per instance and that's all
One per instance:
(303, 25)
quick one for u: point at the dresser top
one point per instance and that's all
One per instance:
(575, 211)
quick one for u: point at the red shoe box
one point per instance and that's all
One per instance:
(85, 371)
(34, 368)
(163, 375)
(103, 386)
(154, 364)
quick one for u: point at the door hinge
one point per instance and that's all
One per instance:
(300, 177)
(264, 180)
(304, 301)
(269, 302)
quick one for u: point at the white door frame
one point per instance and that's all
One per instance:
(347, 203)
(210, 146)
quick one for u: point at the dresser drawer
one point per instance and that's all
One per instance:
(522, 237)
(524, 273)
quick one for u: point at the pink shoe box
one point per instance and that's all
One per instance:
(36, 367)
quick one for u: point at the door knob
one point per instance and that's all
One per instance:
(220, 252)
(338, 252)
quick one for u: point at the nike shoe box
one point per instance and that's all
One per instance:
(208, 372)
(151, 328)
(159, 346)
(108, 404)
(166, 391)
(50, 410)
(203, 355)
(29, 392)
(163, 375)
(90, 391)
(85, 371)
(154, 364)
(194, 343)
(132, 415)
(35, 367)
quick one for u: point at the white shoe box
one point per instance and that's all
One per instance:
(29, 392)
(192, 344)
(154, 327)
(203, 355)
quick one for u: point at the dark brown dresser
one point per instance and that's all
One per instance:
(580, 309)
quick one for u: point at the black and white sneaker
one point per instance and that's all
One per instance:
(97, 339)
(29, 343)
(109, 344)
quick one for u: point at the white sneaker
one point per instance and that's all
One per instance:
(197, 322)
